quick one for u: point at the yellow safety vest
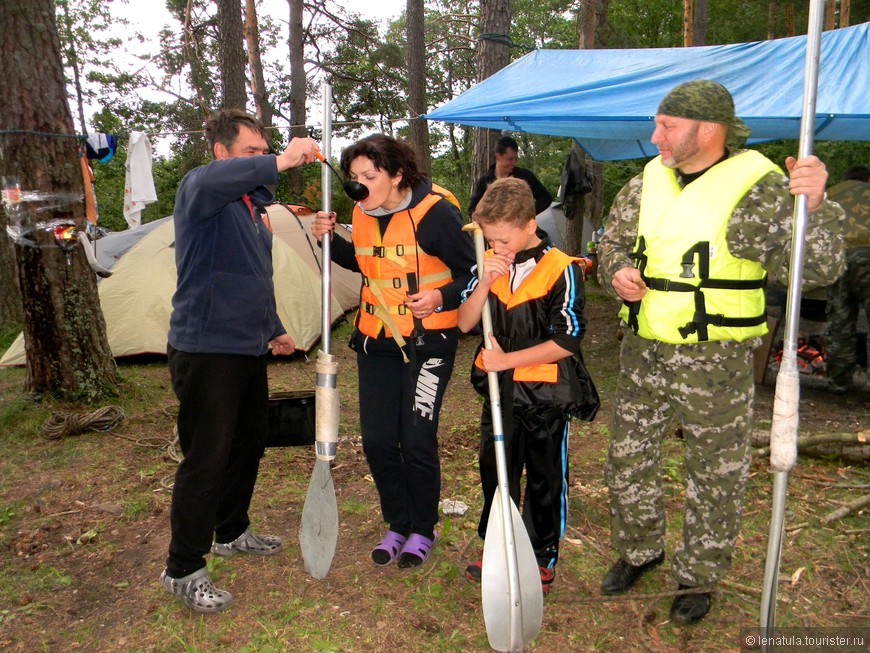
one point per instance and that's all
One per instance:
(697, 290)
(394, 266)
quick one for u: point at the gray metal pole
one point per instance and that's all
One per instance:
(784, 427)
(326, 244)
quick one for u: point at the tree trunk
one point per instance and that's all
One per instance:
(830, 18)
(772, 14)
(789, 19)
(416, 50)
(589, 209)
(297, 90)
(493, 54)
(694, 22)
(699, 23)
(64, 331)
(10, 295)
(232, 55)
(845, 11)
(258, 80)
(688, 16)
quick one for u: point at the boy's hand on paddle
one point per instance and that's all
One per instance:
(495, 359)
(494, 266)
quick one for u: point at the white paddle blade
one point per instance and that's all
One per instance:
(318, 530)
(512, 623)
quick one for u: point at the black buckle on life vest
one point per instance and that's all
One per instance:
(402, 309)
(369, 308)
(397, 282)
(365, 281)
(400, 250)
(702, 249)
(688, 329)
(640, 258)
(379, 251)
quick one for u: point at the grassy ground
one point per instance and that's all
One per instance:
(84, 530)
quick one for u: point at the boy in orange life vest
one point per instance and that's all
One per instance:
(536, 298)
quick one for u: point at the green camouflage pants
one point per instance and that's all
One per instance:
(845, 299)
(708, 387)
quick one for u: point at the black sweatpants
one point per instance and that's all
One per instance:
(538, 441)
(222, 428)
(399, 405)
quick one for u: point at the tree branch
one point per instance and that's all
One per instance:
(852, 506)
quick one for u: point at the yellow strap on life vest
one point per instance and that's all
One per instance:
(384, 316)
(399, 282)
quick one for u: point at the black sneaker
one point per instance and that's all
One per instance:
(690, 608)
(622, 575)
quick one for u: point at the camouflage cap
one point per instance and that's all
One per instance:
(707, 101)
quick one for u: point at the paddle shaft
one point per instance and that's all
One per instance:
(787, 383)
(318, 528)
(508, 534)
(326, 241)
(326, 432)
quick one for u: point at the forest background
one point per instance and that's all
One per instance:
(367, 64)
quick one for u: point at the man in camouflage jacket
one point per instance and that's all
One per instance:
(698, 373)
(851, 290)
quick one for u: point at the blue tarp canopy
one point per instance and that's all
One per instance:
(606, 99)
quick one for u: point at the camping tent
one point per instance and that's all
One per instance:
(606, 99)
(136, 299)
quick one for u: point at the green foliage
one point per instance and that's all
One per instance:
(367, 80)
(7, 514)
(8, 334)
(544, 24)
(837, 155)
(82, 27)
(20, 415)
(365, 63)
(642, 23)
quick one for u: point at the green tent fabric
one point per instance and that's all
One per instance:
(137, 298)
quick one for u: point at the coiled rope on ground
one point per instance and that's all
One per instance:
(62, 424)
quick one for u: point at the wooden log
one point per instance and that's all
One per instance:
(848, 446)
(841, 512)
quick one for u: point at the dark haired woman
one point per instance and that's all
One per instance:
(415, 260)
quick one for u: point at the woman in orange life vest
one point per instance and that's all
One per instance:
(415, 260)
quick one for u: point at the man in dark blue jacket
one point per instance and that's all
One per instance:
(506, 155)
(223, 323)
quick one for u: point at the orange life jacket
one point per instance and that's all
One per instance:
(534, 287)
(394, 266)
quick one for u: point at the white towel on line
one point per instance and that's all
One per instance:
(139, 182)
